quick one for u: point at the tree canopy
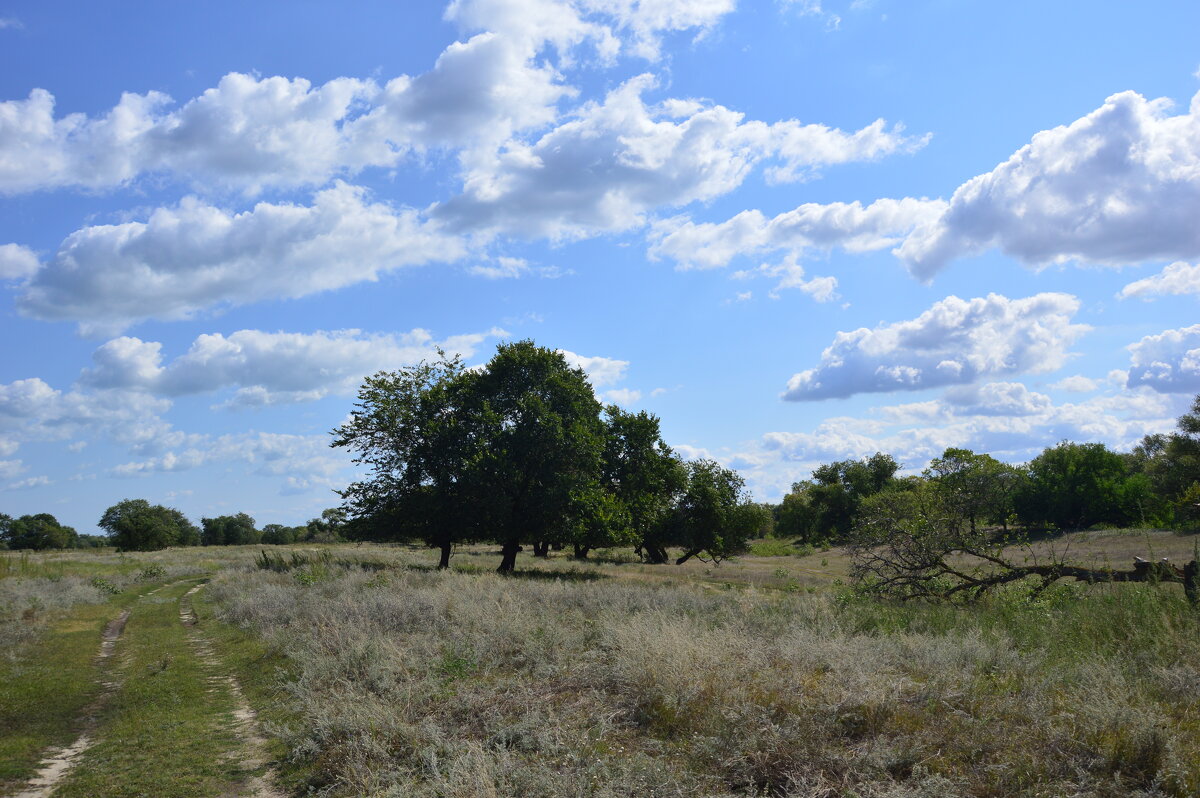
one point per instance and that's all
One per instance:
(137, 525)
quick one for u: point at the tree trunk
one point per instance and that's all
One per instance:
(444, 561)
(581, 552)
(541, 548)
(687, 556)
(656, 555)
(509, 561)
(1191, 582)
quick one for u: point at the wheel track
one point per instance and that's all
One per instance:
(245, 720)
(58, 762)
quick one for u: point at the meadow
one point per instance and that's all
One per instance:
(362, 670)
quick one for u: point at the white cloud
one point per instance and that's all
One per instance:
(31, 482)
(600, 370)
(11, 468)
(10, 22)
(185, 259)
(305, 461)
(623, 396)
(917, 432)
(1176, 279)
(1076, 384)
(1167, 362)
(954, 342)
(32, 410)
(613, 161)
(791, 274)
(17, 262)
(1120, 185)
(268, 368)
(851, 226)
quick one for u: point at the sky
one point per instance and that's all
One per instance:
(797, 231)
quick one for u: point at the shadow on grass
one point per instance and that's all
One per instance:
(546, 574)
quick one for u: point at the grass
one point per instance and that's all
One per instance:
(375, 674)
(166, 732)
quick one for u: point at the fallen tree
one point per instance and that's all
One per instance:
(911, 545)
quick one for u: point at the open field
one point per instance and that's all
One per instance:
(360, 670)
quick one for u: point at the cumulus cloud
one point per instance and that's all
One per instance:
(954, 342)
(17, 262)
(603, 169)
(1006, 420)
(194, 256)
(305, 461)
(623, 396)
(1176, 279)
(30, 409)
(1168, 362)
(850, 226)
(1119, 185)
(1076, 384)
(268, 368)
(600, 370)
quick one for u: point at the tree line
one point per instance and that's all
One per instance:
(138, 525)
(1068, 486)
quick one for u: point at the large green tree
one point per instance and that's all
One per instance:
(977, 487)
(409, 428)
(825, 507)
(540, 442)
(137, 525)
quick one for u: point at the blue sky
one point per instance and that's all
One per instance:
(796, 231)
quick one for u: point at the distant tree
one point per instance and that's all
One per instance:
(278, 534)
(5, 524)
(229, 530)
(795, 516)
(326, 528)
(41, 531)
(1171, 463)
(977, 487)
(837, 489)
(643, 475)
(1076, 485)
(137, 525)
(715, 516)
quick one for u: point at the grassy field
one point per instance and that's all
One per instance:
(370, 673)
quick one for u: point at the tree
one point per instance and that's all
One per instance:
(137, 525)
(643, 475)
(409, 427)
(278, 534)
(229, 530)
(837, 489)
(41, 531)
(539, 445)
(715, 516)
(976, 487)
(1171, 463)
(1075, 485)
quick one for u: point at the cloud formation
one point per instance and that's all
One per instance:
(1177, 279)
(848, 225)
(194, 256)
(1118, 186)
(268, 368)
(614, 160)
(955, 342)
(1168, 362)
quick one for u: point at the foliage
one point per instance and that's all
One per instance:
(715, 516)
(41, 531)
(137, 525)
(643, 475)
(976, 487)
(229, 530)
(825, 507)
(1076, 485)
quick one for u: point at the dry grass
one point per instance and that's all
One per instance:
(410, 682)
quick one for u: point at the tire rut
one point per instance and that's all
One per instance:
(58, 762)
(245, 720)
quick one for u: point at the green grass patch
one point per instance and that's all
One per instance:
(773, 547)
(47, 685)
(167, 732)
